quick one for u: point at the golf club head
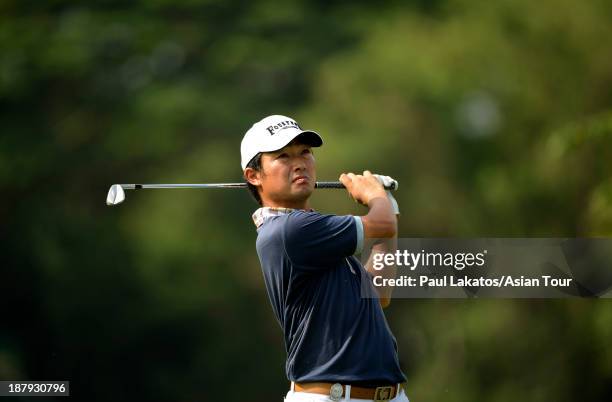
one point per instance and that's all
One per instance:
(116, 195)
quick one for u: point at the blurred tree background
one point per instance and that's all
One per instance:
(496, 117)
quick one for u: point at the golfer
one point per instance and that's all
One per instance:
(338, 343)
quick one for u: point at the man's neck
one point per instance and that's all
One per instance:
(286, 204)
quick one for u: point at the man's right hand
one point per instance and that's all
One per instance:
(363, 188)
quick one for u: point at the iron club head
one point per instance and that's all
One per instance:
(116, 195)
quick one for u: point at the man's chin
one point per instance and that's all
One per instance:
(294, 197)
(302, 194)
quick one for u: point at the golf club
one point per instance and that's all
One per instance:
(116, 194)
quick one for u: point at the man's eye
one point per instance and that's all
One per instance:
(282, 156)
(306, 151)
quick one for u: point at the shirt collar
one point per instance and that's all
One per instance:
(263, 213)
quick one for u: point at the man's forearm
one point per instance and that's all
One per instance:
(380, 222)
(387, 272)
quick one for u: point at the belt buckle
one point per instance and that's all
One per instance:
(335, 392)
(383, 393)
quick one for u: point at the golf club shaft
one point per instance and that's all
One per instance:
(319, 184)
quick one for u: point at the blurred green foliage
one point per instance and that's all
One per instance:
(496, 117)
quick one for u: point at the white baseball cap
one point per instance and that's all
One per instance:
(271, 134)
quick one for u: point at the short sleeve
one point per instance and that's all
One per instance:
(317, 241)
(359, 225)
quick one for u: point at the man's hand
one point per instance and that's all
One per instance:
(388, 181)
(363, 188)
(380, 222)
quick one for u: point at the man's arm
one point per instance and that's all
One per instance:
(380, 223)
(388, 272)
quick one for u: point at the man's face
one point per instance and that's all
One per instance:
(288, 176)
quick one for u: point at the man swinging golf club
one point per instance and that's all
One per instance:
(338, 343)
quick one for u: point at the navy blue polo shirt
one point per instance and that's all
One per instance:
(332, 334)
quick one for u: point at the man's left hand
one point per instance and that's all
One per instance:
(388, 181)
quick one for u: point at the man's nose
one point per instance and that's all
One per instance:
(299, 164)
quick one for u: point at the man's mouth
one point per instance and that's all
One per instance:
(300, 179)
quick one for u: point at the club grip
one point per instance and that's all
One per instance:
(329, 184)
(337, 184)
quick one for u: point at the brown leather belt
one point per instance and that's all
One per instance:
(377, 394)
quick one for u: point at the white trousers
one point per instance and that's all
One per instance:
(293, 396)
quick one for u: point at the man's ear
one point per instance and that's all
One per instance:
(252, 176)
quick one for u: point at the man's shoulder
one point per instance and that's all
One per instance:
(275, 226)
(298, 224)
(295, 217)
(308, 238)
(272, 233)
(299, 221)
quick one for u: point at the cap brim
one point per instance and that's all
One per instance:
(310, 137)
